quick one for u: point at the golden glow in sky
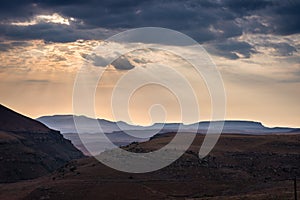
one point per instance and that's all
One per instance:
(36, 78)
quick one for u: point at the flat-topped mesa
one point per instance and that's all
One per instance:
(65, 124)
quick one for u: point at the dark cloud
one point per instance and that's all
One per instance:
(204, 20)
(285, 17)
(247, 6)
(122, 63)
(279, 18)
(232, 49)
(46, 31)
(14, 44)
(96, 60)
(191, 17)
(52, 32)
(283, 49)
(14, 9)
(4, 46)
(20, 44)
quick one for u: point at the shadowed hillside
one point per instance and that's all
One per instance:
(240, 167)
(29, 149)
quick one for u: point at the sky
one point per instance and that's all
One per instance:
(254, 44)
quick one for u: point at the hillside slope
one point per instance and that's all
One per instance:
(251, 167)
(29, 149)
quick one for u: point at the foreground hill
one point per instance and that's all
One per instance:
(29, 149)
(247, 167)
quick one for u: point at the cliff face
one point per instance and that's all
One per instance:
(29, 149)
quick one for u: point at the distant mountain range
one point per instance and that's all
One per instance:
(93, 141)
(65, 124)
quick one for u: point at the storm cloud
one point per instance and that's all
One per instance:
(204, 21)
(232, 49)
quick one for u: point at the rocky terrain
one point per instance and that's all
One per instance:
(29, 149)
(239, 167)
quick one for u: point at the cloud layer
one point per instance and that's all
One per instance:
(203, 20)
(207, 21)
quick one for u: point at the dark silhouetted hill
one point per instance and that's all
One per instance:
(30, 149)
